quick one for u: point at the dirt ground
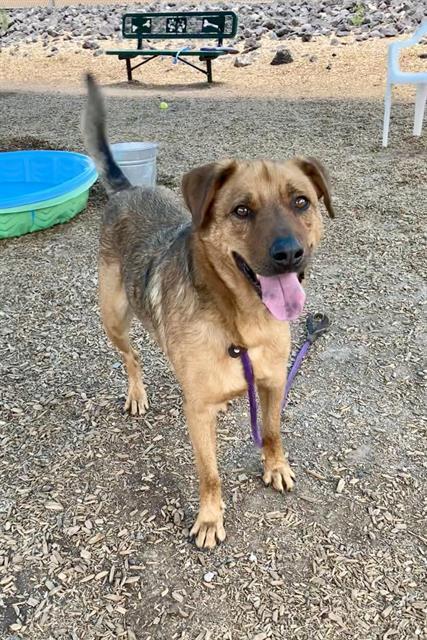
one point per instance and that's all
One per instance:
(95, 507)
(355, 70)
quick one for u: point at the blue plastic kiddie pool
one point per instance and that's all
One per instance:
(41, 188)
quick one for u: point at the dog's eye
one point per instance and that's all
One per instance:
(242, 212)
(301, 203)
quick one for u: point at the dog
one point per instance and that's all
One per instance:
(224, 270)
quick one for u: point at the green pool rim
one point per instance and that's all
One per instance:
(43, 215)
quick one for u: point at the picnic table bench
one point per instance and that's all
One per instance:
(198, 25)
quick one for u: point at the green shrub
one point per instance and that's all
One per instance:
(358, 15)
(4, 21)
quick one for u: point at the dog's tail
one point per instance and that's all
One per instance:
(96, 141)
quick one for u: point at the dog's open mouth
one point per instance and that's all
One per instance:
(250, 275)
(282, 294)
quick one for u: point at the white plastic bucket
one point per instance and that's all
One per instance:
(137, 160)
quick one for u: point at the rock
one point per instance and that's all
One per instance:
(282, 32)
(90, 44)
(106, 31)
(251, 49)
(280, 20)
(269, 24)
(282, 56)
(251, 43)
(313, 58)
(97, 53)
(333, 42)
(307, 28)
(423, 56)
(388, 31)
(243, 60)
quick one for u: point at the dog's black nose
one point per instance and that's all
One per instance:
(286, 251)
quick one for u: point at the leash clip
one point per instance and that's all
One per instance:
(317, 324)
(235, 352)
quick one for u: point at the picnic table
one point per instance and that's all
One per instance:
(193, 25)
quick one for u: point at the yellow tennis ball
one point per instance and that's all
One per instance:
(164, 105)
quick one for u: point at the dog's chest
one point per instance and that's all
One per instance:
(229, 377)
(206, 369)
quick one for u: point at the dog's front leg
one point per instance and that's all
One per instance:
(208, 527)
(277, 471)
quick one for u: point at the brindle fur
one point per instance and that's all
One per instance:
(176, 273)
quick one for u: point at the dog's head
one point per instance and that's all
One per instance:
(263, 220)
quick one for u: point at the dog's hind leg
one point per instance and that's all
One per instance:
(116, 317)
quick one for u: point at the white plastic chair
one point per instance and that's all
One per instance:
(396, 76)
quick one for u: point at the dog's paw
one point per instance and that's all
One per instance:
(280, 476)
(208, 528)
(137, 402)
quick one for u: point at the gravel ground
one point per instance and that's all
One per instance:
(281, 20)
(95, 506)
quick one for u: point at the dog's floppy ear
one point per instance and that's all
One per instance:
(200, 186)
(317, 173)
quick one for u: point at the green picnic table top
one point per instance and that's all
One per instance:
(164, 52)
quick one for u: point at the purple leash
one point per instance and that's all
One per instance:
(294, 370)
(249, 375)
(317, 324)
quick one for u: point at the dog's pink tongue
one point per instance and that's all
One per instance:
(283, 295)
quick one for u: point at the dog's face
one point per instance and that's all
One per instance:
(261, 217)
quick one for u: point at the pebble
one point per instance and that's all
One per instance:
(209, 576)
(340, 485)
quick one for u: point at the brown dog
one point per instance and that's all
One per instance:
(227, 275)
